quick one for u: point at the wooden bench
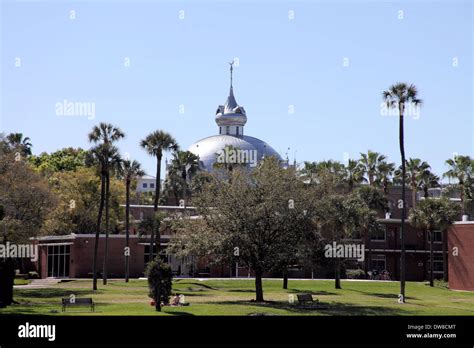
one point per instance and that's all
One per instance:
(306, 300)
(78, 302)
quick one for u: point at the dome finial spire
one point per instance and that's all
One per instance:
(231, 71)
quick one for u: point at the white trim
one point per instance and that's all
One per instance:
(51, 244)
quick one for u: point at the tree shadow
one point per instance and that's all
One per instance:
(181, 314)
(382, 295)
(329, 309)
(53, 292)
(312, 292)
(198, 284)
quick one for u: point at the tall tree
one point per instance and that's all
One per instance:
(398, 96)
(155, 144)
(250, 218)
(104, 135)
(431, 214)
(129, 170)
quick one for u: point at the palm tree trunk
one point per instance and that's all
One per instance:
(107, 218)
(155, 209)
(97, 233)
(402, 227)
(127, 229)
(431, 257)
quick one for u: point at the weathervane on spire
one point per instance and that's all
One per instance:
(231, 70)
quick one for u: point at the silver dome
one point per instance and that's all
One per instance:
(208, 149)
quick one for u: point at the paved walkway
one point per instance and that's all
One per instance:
(38, 284)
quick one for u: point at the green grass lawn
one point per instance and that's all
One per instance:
(234, 297)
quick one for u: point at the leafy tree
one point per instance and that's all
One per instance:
(67, 159)
(342, 217)
(155, 144)
(431, 214)
(399, 96)
(105, 155)
(25, 200)
(160, 279)
(248, 218)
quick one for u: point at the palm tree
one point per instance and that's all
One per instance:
(105, 134)
(385, 171)
(428, 180)
(155, 144)
(415, 169)
(398, 96)
(16, 141)
(129, 170)
(461, 169)
(354, 174)
(369, 163)
(377, 202)
(185, 164)
(431, 214)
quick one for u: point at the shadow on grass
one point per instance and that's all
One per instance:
(312, 292)
(333, 308)
(53, 292)
(180, 314)
(198, 284)
(382, 295)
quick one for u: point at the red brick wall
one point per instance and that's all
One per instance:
(461, 267)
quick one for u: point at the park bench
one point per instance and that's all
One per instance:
(78, 302)
(307, 301)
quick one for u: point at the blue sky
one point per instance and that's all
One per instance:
(183, 62)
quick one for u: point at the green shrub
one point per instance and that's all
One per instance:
(355, 274)
(160, 278)
(33, 275)
(440, 283)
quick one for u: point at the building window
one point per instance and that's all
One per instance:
(379, 235)
(227, 130)
(145, 185)
(58, 260)
(438, 238)
(152, 185)
(163, 255)
(237, 131)
(220, 130)
(437, 264)
(379, 262)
